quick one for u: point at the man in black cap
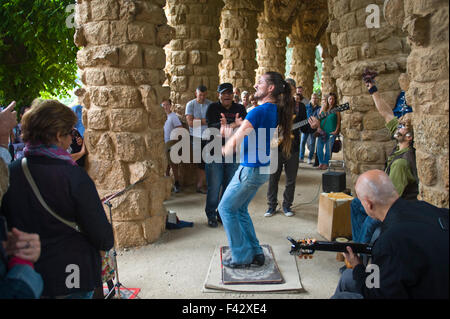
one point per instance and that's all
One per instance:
(219, 173)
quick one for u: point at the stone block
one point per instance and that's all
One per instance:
(145, 76)
(347, 55)
(373, 121)
(115, 76)
(164, 34)
(128, 120)
(179, 58)
(129, 234)
(142, 32)
(119, 32)
(130, 55)
(100, 145)
(427, 169)
(97, 32)
(155, 58)
(108, 175)
(153, 228)
(130, 147)
(132, 206)
(97, 119)
(104, 10)
(94, 77)
(99, 55)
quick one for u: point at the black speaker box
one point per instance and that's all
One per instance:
(333, 182)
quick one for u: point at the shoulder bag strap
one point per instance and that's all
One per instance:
(41, 200)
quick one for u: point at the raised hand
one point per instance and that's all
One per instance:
(238, 120)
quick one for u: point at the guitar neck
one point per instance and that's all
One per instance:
(341, 247)
(319, 117)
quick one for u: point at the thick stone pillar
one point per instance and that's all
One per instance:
(426, 24)
(192, 56)
(303, 65)
(271, 52)
(328, 83)
(121, 64)
(383, 49)
(238, 31)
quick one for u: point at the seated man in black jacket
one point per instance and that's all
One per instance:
(410, 258)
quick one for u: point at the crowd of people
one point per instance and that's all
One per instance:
(55, 234)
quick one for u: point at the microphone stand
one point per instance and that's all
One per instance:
(107, 201)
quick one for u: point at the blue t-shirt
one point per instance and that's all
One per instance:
(255, 151)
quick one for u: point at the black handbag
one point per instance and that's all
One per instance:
(337, 145)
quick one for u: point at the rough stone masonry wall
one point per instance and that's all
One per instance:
(193, 53)
(426, 23)
(383, 49)
(122, 61)
(238, 31)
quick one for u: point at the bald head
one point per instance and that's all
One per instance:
(376, 191)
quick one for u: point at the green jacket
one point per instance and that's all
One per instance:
(401, 167)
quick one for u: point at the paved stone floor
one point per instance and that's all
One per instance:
(177, 264)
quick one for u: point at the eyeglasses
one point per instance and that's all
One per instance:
(400, 126)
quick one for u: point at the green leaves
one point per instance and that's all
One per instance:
(37, 53)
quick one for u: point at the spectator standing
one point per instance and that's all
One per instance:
(171, 123)
(308, 137)
(18, 250)
(290, 164)
(329, 129)
(219, 173)
(196, 119)
(76, 230)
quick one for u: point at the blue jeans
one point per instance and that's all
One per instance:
(311, 140)
(218, 176)
(346, 288)
(363, 226)
(233, 210)
(328, 144)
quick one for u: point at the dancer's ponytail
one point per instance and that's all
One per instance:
(285, 107)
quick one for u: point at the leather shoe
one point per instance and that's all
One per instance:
(258, 260)
(228, 263)
(212, 223)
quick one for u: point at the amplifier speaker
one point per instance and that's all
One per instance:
(333, 182)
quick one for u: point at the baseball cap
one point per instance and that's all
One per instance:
(225, 87)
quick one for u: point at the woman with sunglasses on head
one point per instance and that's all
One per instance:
(52, 196)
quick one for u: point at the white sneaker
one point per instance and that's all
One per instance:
(309, 161)
(270, 212)
(288, 212)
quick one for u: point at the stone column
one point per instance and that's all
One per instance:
(238, 31)
(303, 65)
(271, 51)
(121, 64)
(328, 52)
(384, 49)
(192, 55)
(426, 23)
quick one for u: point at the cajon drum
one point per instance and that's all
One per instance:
(334, 216)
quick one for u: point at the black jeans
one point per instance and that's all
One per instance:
(290, 168)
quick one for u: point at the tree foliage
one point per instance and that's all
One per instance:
(37, 52)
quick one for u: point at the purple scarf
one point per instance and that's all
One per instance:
(51, 151)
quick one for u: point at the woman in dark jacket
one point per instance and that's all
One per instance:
(70, 262)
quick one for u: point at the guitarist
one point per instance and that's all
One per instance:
(290, 163)
(411, 253)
